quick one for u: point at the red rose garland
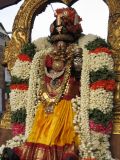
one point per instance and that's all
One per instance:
(18, 128)
(101, 128)
(23, 57)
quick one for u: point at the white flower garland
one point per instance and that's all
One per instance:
(90, 144)
(101, 145)
(85, 147)
(100, 60)
(105, 102)
(14, 142)
(34, 87)
(21, 69)
(82, 117)
(42, 43)
(18, 99)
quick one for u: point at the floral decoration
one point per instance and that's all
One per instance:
(19, 86)
(108, 85)
(69, 12)
(24, 57)
(99, 85)
(18, 116)
(17, 80)
(34, 87)
(93, 131)
(18, 96)
(29, 50)
(18, 99)
(96, 44)
(101, 128)
(21, 69)
(101, 49)
(101, 74)
(99, 117)
(14, 142)
(18, 129)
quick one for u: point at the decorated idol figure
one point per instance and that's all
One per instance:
(70, 95)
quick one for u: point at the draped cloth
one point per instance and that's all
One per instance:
(52, 136)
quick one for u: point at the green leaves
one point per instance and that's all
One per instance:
(98, 42)
(18, 116)
(101, 74)
(29, 49)
(100, 117)
(16, 80)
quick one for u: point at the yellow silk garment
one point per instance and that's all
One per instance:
(56, 128)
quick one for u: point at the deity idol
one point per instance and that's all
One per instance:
(69, 109)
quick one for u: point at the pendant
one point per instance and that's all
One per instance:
(55, 83)
(49, 109)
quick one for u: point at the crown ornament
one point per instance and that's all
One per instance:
(66, 26)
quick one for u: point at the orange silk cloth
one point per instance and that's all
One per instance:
(56, 128)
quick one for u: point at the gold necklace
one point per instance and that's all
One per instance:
(48, 101)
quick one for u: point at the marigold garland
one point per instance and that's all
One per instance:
(23, 57)
(19, 86)
(101, 49)
(108, 85)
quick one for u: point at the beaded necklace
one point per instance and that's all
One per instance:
(49, 101)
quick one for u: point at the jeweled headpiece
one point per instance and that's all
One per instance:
(67, 25)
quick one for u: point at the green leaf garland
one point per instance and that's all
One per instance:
(101, 74)
(98, 42)
(18, 116)
(100, 117)
(29, 49)
(16, 80)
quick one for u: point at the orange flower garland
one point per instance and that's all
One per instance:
(19, 86)
(101, 49)
(108, 85)
(23, 57)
